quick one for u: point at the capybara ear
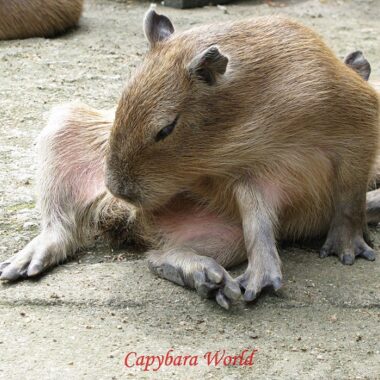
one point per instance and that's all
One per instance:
(207, 65)
(157, 27)
(359, 63)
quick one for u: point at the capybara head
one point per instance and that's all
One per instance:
(166, 130)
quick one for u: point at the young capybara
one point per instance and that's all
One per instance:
(37, 18)
(228, 138)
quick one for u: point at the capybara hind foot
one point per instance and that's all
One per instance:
(348, 230)
(43, 252)
(204, 274)
(347, 248)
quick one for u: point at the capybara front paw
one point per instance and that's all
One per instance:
(347, 249)
(252, 282)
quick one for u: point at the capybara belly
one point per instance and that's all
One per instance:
(185, 222)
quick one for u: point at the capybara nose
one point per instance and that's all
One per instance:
(121, 189)
(123, 192)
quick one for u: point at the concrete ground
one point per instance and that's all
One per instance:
(81, 319)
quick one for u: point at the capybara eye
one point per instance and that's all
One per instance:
(166, 131)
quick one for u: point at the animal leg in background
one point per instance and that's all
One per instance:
(72, 195)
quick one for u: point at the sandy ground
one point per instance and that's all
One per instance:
(80, 320)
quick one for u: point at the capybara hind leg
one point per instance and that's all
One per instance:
(44, 251)
(346, 236)
(185, 267)
(71, 191)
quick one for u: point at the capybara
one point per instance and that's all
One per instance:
(37, 18)
(227, 139)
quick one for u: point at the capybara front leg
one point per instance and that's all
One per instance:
(264, 265)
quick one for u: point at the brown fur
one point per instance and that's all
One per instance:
(278, 144)
(219, 139)
(37, 18)
(287, 167)
(214, 139)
